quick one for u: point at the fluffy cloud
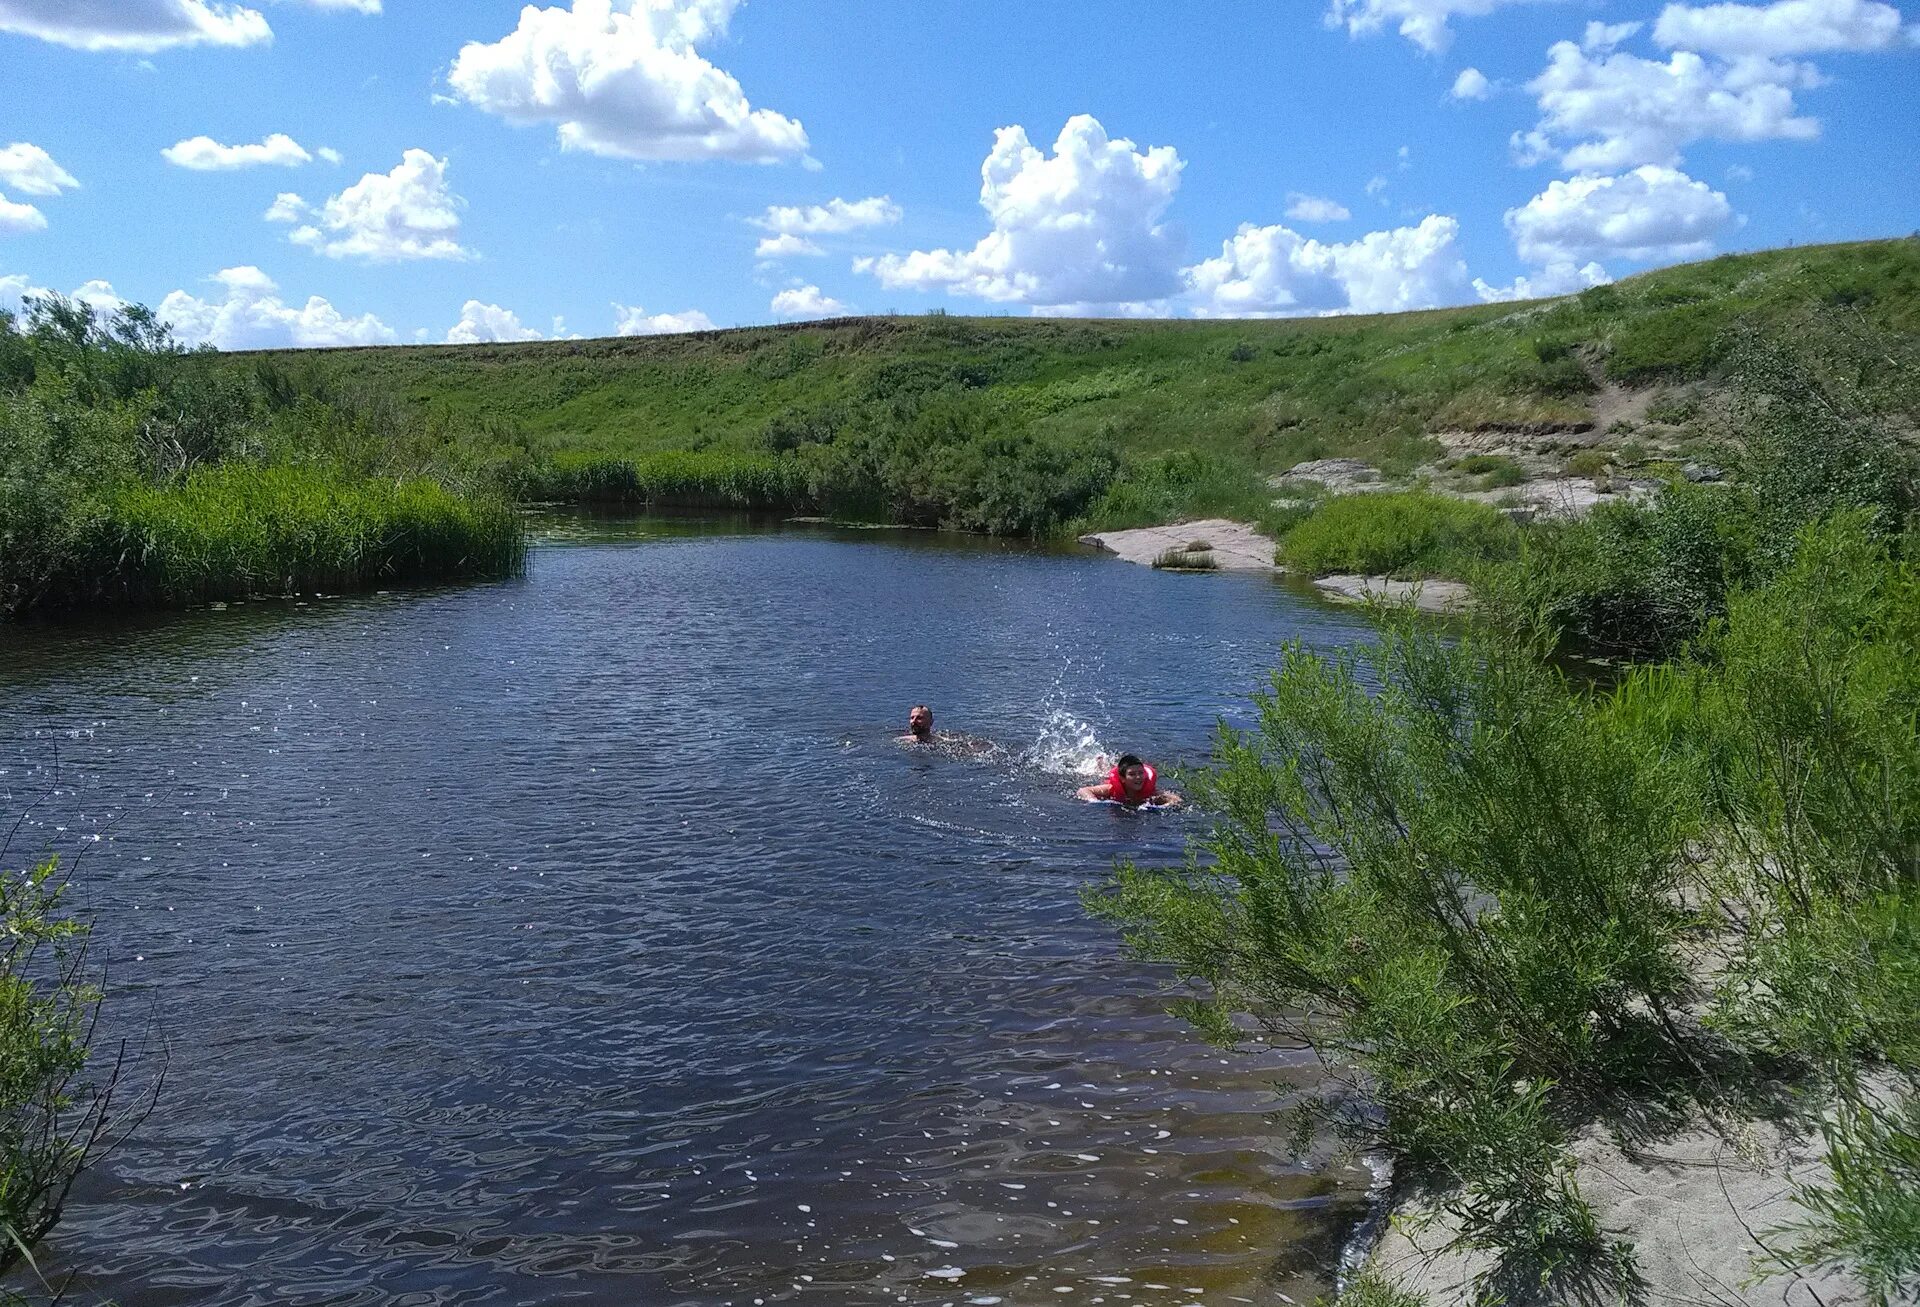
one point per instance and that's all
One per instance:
(806, 302)
(1602, 111)
(786, 246)
(1424, 22)
(97, 295)
(204, 154)
(30, 169)
(1277, 272)
(17, 218)
(1471, 84)
(632, 320)
(1313, 208)
(1787, 28)
(136, 26)
(487, 323)
(1080, 226)
(1649, 213)
(834, 218)
(1554, 279)
(409, 213)
(249, 314)
(626, 80)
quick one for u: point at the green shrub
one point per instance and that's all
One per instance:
(673, 479)
(1494, 471)
(234, 531)
(51, 1123)
(1588, 463)
(1409, 533)
(1463, 885)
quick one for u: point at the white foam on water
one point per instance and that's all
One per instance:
(1067, 746)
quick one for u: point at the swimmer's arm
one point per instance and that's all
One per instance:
(1167, 799)
(1096, 793)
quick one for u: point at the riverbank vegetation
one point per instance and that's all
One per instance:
(53, 1117)
(1017, 427)
(135, 472)
(1517, 910)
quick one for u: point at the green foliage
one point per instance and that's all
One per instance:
(1494, 471)
(132, 471)
(1588, 463)
(672, 479)
(1462, 884)
(1411, 533)
(1371, 1289)
(1867, 1220)
(1646, 578)
(49, 1121)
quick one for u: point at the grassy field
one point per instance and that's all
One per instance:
(1252, 396)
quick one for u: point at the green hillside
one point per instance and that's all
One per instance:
(1263, 393)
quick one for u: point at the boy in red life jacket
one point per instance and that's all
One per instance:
(1132, 783)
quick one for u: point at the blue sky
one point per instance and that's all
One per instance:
(476, 171)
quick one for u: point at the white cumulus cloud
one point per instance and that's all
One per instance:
(806, 302)
(1789, 27)
(204, 154)
(1315, 208)
(1426, 23)
(1554, 279)
(408, 213)
(835, 217)
(97, 295)
(248, 313)
(30, 169)
(1081, 226)
(1649, 213)
(786, 246)
(488, 323)
(135, 26)
(632, 320)
(1603, 110)
(16, 218)
(1471, 84)
(1276, 272)
(626, 80)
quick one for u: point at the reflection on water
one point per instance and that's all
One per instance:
(589, 937)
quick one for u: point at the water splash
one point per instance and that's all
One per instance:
(1067, 746)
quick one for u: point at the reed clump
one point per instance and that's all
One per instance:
(134, 472)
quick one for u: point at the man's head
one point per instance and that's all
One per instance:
(920, 720)
(1133, 773)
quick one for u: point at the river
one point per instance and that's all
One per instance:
(588, 938)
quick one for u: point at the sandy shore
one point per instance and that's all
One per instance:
(1692, 1205)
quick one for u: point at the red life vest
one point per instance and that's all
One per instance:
(1118, 792)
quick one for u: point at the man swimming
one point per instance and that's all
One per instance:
(1132, 783)
(919, 725)
(952, 743)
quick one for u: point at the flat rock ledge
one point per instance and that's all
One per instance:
(1427, 596)
(1235, 545)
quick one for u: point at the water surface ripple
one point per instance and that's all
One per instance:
(587, 938)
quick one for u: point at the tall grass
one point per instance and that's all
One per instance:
(1406, 534)
(235, 530)
(720, 478)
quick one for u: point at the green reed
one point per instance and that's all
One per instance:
(236, 530)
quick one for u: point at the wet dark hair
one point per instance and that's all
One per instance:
(1128, 760)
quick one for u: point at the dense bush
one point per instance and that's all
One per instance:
(1444, 870)
(1484, 891)
(134, 471)
(1411, 533)
(51, 1120)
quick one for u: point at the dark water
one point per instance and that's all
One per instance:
(587, 938)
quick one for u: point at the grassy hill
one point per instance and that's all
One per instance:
(134, 471)
(1261, 395)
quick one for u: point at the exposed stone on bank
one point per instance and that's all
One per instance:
(1427, 596)
(1235, 546)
